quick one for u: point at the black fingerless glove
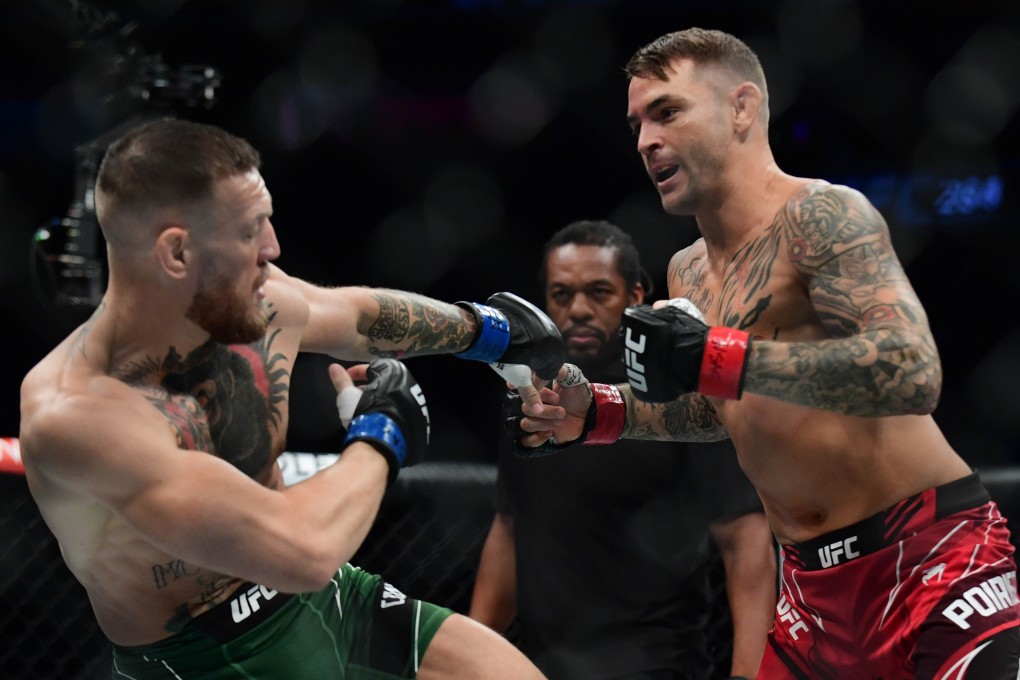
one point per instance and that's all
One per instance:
(391, 415)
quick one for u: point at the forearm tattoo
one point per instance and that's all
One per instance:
(410, 325)
(690, 418)
(882, 358)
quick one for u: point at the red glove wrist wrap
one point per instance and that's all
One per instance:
(723, 363)
(609, 415)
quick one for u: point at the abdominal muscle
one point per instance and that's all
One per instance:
(818, 471)
(140, 594)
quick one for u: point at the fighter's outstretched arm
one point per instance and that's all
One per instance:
(359, 323)
(574, 411)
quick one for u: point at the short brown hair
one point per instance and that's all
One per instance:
(703, 46)
(170, 161)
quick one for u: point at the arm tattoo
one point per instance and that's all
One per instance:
(690, 418)
(882, 358)
(410, 325)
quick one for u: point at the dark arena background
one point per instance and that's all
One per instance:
(433, 146)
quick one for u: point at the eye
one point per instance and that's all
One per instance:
(560, 297)
(668, 113)
(253, 231)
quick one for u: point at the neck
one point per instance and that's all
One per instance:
(143, 324)
(749, 197)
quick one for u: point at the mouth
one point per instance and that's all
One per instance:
(663, 174)
(260, 292)
(582, 339)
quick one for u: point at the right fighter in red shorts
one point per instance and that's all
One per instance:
(930, 579)
(812, 352)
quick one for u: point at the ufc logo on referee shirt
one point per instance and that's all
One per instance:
(632, 351)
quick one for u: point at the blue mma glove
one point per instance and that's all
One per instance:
(511, 330)
(389, 412)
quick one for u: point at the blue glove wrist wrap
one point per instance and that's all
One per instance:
(493, 337)
(376, 427)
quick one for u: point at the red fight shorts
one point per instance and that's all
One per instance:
(925, 589)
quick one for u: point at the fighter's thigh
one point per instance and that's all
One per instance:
(779, 663)
(996, 657)
(971, 628)
(464, 649)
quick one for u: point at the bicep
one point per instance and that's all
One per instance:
(855, 281)
(333, 317)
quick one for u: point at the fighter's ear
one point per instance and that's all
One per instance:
(747, 100)
(173, 250)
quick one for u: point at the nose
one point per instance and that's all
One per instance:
(648, 140)
(580, 307)
(270, 249)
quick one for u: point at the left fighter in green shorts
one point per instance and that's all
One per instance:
(150, 435)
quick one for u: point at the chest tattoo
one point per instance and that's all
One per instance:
(223, 399)
(745, 291)
(690, 274)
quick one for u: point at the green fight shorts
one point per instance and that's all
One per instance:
(358, 627)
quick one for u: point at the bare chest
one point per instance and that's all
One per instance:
(756, 290)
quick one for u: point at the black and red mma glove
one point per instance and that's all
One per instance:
(672, 351)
